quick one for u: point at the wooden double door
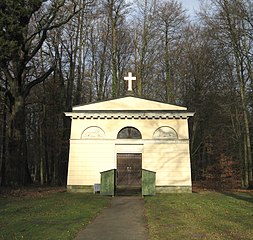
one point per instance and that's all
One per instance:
(129, 171)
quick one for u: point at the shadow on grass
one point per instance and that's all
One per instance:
(248, 197)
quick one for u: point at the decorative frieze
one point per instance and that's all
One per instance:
(165, 133)
(129, 115)
(93, 132)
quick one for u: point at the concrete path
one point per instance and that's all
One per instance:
(123, 220)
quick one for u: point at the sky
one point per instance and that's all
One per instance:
(191, 5)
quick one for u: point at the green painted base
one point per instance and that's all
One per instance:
(159, 189)
(80, 188)
(173, 189)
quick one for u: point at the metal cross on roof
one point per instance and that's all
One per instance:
(130, 79)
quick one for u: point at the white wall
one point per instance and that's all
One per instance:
(169, 159)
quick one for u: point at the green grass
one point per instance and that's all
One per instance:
(57, 216)
(208, 215)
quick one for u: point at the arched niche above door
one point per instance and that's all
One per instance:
(165, 133)
(129, 133)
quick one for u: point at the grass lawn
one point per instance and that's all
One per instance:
(206, 215)
(57, 216)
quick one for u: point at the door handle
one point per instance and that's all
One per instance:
(129, 169)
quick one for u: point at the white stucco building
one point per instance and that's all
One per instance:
(129, 134)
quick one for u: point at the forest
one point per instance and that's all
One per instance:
(55, 54)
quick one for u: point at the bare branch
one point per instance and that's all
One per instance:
(49, 27)
(37, 81)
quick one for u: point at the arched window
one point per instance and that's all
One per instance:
(129, 133)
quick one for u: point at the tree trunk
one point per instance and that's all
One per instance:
(3, 167)
(247, 146)
(139, 87)
(20, 174)
(143, 50)
(114, 60)
(100, 91)
(79, 47)
(167, 68)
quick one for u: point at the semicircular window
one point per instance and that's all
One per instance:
(129, 133)
(165, 133)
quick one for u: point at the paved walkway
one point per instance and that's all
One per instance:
(123, 220)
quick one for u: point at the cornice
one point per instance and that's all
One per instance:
(130, 115)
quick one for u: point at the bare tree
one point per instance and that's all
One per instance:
(228, 26)
(34, 21)
(170, 19)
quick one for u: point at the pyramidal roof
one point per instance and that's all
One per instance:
(129, 103)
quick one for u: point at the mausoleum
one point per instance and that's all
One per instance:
(129, 143)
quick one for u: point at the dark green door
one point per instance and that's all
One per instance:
(108, 182)
(148, 182)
